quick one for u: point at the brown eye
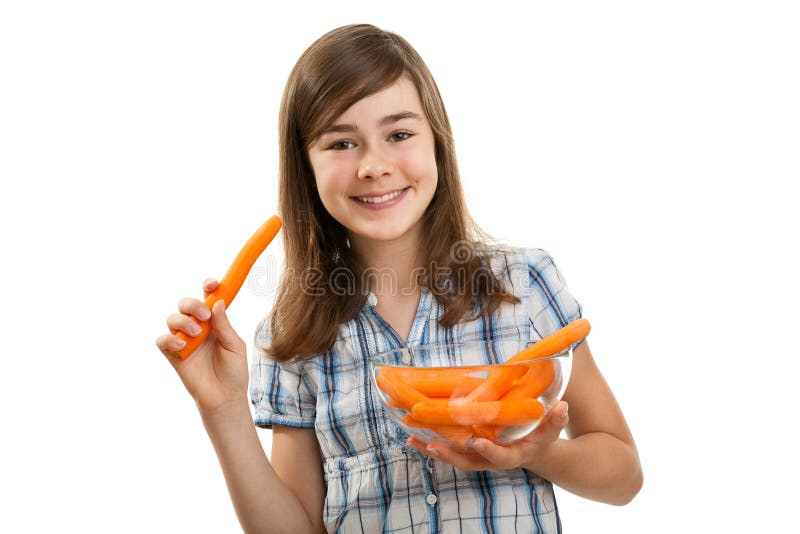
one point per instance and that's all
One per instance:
(401, 136)
(341, 145)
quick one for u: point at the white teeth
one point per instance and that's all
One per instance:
(384, 198)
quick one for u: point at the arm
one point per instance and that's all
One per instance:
(267, 496)
(285, 495)
(599, 461)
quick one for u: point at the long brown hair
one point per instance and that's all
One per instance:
(339, 69)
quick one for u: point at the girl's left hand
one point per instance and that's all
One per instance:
(485, 455)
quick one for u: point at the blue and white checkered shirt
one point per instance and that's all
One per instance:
(374, 481)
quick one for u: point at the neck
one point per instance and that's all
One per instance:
(390, 265)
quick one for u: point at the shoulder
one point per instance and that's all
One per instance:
(503, 256)
(532, 273)
(263, 334)
(519, 266)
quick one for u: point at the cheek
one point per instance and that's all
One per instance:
(331, 185)
(421, 168)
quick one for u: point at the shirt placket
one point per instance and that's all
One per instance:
(431, 493)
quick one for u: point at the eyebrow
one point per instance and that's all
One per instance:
(388, 119)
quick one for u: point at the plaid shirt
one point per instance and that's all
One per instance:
(374, 482)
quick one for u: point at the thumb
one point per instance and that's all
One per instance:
(555, 421)
(221, 326)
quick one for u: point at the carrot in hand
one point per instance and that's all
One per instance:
(232, 281)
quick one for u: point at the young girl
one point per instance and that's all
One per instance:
(370, 193)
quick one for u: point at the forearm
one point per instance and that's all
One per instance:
(259, 496)
(596, 466)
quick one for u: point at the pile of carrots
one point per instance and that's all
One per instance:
(459, 405)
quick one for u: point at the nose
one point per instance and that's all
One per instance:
(374, 164)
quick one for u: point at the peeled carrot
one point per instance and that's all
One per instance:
(539, 377)
(400, 394)
(232, 281)
(498, 382)
(462, 412)
(441, 381)
(556, 342)
(489, 432)
(457, 435)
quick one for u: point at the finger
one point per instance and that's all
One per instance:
(555, 421)
(417, 444)
(195, 308)
(169, 344)
(466, 461)
(499, 456)
(178, 322)
(209, 286)
(221, 326)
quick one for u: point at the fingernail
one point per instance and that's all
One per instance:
(195, 329)
(432, 451)
(180, 344)
(565, 411)
(203, 313)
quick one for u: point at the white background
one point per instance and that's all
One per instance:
(649, 147)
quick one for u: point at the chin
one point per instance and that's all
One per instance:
(383, 232)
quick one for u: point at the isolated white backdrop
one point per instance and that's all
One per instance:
(649, 148)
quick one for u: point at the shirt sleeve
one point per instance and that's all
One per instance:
(552, 306)
(278, 391)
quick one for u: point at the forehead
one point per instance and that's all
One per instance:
(402, 95)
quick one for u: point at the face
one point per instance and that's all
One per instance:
(375, 167)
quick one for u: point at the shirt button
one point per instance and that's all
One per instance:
(372, 300)
(431, 499)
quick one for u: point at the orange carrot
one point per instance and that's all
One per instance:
(539, 377)
(232, 281)
(463, 412)
(535, 382)
(498, 382)
(555, 342)
(441, 382)
(489, 432)
(457, 435)
(400, 394)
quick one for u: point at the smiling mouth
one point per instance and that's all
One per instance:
(379, 200)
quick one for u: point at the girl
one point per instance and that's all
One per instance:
(370, 194)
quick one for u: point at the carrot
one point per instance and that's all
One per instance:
(539, 377)
(441, 381)
(489, 432)
(535, 382)
(463, 412)
(400, 394)
(555, 342)
(232, 281)
(498, 382)
(459, 436)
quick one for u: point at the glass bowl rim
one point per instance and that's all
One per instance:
(559, 355)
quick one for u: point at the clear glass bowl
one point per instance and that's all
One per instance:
(457, 392)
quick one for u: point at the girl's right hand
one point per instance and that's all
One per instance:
(216, 373)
